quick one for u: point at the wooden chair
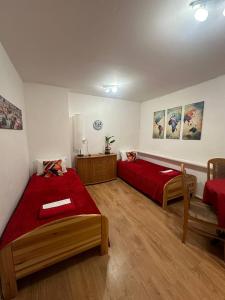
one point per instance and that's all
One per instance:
(216, 168)
(199, 213)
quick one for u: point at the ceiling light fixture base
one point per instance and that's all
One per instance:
(198, 3)
(111, 88)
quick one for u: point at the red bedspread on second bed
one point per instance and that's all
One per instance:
(146, 177)
(41, 190)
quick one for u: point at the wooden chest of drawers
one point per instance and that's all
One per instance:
(96, 168)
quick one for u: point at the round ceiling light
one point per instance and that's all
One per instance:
(201, 14)
(200, 7)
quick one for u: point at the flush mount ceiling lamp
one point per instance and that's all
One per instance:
(201, 12)
(200, 7)
(113, 88)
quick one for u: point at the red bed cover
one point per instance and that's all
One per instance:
(146, 177)
(41, 190)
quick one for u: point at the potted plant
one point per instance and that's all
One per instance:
(108, 141)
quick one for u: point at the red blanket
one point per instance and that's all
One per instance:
(146, 177)
(41, 190)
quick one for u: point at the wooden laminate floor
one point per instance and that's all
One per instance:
(146, 260)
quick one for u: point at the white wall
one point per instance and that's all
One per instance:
(49, 111)
(14, 159)
(212, 143)
(120, 118)
(48, 122)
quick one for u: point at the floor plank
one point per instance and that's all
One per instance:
(146, 259)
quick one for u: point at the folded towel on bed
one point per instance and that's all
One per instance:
(166, 171)
(170, 172)
(52, 209)
(56, 203)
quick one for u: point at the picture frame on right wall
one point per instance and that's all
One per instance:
(193, 119)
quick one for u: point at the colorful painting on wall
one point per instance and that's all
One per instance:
(173, 127)
(159, 124)
(193, 117)
(10, 115)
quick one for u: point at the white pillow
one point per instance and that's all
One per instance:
(123, 155)
(40, 167)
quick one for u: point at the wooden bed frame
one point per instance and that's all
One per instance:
(49, 244)
(174, 188)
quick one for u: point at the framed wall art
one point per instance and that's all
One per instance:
(10, 115)
(193, 118)
(173, 124)
(159, 124)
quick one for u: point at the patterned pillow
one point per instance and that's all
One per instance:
(40, 166)
(52, 168)
(131, 156)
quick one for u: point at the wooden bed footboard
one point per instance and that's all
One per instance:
(173, 188)
(49, 244)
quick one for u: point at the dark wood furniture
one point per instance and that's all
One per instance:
(216, 168)
(199, 215)
(96, 168)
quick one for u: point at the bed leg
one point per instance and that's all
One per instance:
(7, 271)
(164, 201)
(105, 236)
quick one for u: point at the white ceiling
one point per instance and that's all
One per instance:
(149, 47)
